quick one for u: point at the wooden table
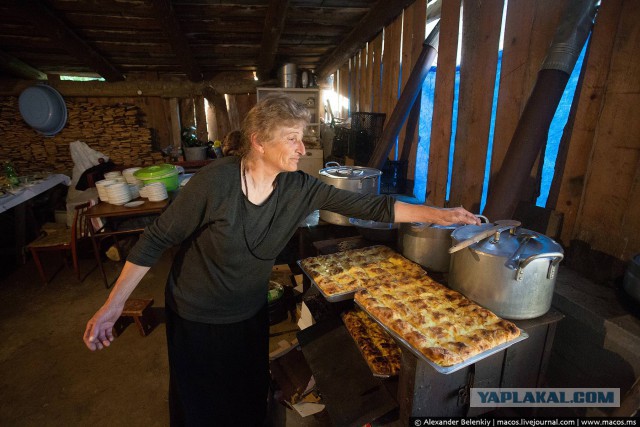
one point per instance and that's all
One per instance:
(116, 214)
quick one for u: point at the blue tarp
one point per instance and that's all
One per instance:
(426, 113)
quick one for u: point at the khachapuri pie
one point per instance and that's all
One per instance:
(378, 348)
(443, 325)
(350, 270)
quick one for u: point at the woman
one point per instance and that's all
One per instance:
(229, 237)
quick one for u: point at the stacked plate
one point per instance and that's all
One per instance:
(112, 175)
(101, 186)
(155, 192)
(128, 176)
(118, 193)
(134, 189)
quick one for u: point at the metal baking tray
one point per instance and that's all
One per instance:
(331, 298)
(447, 369)
(374, 373)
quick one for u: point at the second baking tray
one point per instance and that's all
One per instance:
(453, 368)
(331, 298)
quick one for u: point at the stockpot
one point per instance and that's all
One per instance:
(358, 179)
(507, 269)
(428, 244)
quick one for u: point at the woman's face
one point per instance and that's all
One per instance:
(286, 148)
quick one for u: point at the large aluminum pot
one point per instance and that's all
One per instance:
(428, 244)
(358, 179)
(510, 270)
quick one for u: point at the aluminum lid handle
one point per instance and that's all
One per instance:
(499, 227)
(514, 259)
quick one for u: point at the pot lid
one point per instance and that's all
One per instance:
(508, 242)
(374, 225)
(156, 172)
(443, 227)
(350, 172)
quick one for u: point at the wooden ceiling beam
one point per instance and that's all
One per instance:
(381, 14)
(53, 26)
(223, 83)
(19, 68)
(273, 26)
(169, 22)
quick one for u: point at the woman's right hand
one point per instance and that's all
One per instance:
(99, 331)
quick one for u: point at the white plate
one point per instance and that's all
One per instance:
(134, 204)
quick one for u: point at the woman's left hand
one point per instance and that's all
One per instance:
(405, 212)
(457, 216)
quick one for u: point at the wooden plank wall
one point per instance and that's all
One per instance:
(480, 44)
(438, 168)
(598, 190)
(529, 30)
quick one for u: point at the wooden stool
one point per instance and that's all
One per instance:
(134, 308)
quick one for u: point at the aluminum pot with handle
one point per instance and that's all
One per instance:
(509, 270)
(358, 179)
(428, 244)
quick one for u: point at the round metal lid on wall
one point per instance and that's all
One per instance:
(43, 108)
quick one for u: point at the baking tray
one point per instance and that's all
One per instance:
(331, 298)
(453, 368)
(374, 373)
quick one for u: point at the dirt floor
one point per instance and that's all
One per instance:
(48, 377)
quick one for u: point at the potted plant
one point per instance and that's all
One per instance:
(193, 148)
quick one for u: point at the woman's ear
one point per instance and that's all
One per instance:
(256, 145)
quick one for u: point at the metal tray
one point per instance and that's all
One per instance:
(331, 298)
(453, 368)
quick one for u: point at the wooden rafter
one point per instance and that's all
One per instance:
(182, 50)
(53, 26)
(382, 13)
(19, 68)
(273, 26)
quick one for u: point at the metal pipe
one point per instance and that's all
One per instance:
(407, 98)
(533, 128)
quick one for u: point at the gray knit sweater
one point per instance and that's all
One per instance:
(227, 245)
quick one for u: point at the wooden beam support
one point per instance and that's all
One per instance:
(273, 26)
(20, 69)
(179, 43)
(230, 83)
(54, 27)
(215, 99)
(381, 14)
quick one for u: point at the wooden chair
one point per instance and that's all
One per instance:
(62, 240)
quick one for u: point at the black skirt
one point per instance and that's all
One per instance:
(219, 374)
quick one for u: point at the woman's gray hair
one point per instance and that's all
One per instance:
(274, 111)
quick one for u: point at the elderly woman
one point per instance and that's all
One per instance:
(229, 236)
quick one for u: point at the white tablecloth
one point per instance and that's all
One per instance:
(25, 193)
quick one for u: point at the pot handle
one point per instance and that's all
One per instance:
(483, 218)
(556, 257)
(328, 164)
